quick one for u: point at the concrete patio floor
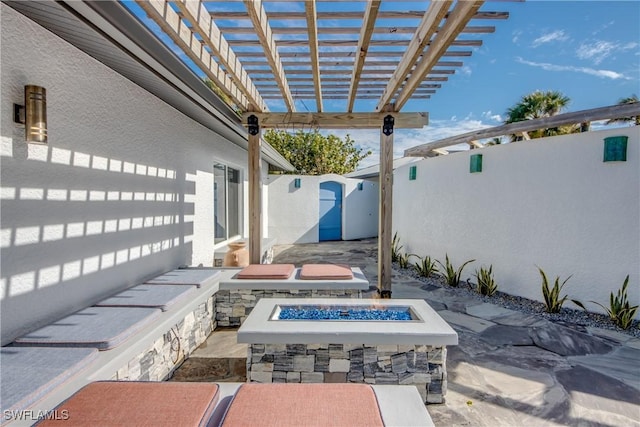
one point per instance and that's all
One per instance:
(510, 369)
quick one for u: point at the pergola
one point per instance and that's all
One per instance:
(291, 51)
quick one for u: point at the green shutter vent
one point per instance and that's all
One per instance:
(615, 149)
(475, 164)
(413, 170)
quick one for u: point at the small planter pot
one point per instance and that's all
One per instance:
(237, 255)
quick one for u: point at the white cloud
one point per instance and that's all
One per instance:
(599, 50)
(516, 36)
(489, 115)
(553, 36)
(605, 74)
(465, 70)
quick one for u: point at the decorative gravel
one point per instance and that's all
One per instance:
(576, 318)
(289, 313)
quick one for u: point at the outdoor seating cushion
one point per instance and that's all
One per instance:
(153, 296)
(267, 271)
(185, 276)
(30, 373)
(120, 403)
(290, 404)
(326, 272)
(100, 327)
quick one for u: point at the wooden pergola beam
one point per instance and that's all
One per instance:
(338, 120)
(428, 26)
(602, 113)
(350, 15)
(368, 63)
(366, 31)
(372, 54)
(483, 29)
(200, 19)
(346, 43)
(463, 11)
(169, 21)
(265, 39)
(312, 31)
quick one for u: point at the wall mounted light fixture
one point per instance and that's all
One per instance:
(615, 149)
(33, 114)
(360, 186)
(475, 163)
(297, 183)
(413, 171)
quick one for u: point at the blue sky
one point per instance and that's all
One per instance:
(588, 50)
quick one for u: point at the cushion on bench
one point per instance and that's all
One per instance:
(100, 327)
(30, 373)
(267, 271)
(119, 403)
(152, 296)
(326, 272)
(290, 404)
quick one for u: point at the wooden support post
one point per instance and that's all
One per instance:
(255, 191)
(386, 197)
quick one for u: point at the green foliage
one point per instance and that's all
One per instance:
(538, 105)
(620, 310)
(395, 248)
(450, 274)
(216, 89)
(312, 153)
(486, 283)
(426, 267)
(403, 260)
(631, 119)
(552, 300)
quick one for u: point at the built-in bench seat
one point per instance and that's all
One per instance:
(186, 276)
(30, 373)
(239, 293)
(149, 296)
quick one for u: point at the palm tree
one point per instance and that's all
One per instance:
(629, 100)
(537, 105)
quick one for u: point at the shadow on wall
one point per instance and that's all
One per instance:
(77, 227)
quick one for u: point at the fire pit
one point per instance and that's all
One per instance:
(338, 340)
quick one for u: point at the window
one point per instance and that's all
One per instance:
(226, 202)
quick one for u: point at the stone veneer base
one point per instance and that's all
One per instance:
(421, 365)
(169, 350)
(233, 306)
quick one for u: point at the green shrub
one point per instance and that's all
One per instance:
(486, 283)
(450, 274)
(403, 260)
(426, 267)
(619, 310)
(552, 300)
(395, 248)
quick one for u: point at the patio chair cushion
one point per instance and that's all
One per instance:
(304, 405)
(326, 272)
(29, 374)
(136, 403)
(267, 271)
(186, 276)
(100, 327)
(152, 296)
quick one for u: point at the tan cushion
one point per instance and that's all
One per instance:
(304, 405)
(326, 272)
(119, 403)
(267, 271)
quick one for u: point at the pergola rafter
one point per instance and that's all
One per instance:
(265, 35)
(286, 51)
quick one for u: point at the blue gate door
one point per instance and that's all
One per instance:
(330, 211)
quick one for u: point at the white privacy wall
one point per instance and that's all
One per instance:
(122, 192)
(294, 213)
(550, 202)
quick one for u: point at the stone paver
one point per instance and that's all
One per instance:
(510, 369)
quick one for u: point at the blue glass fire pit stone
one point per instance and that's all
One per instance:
(291, 313)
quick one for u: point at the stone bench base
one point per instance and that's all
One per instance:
(420, 365)
(233, 306)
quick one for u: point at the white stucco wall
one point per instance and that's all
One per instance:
(123, 190)
(551, 203)
(294, 212)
